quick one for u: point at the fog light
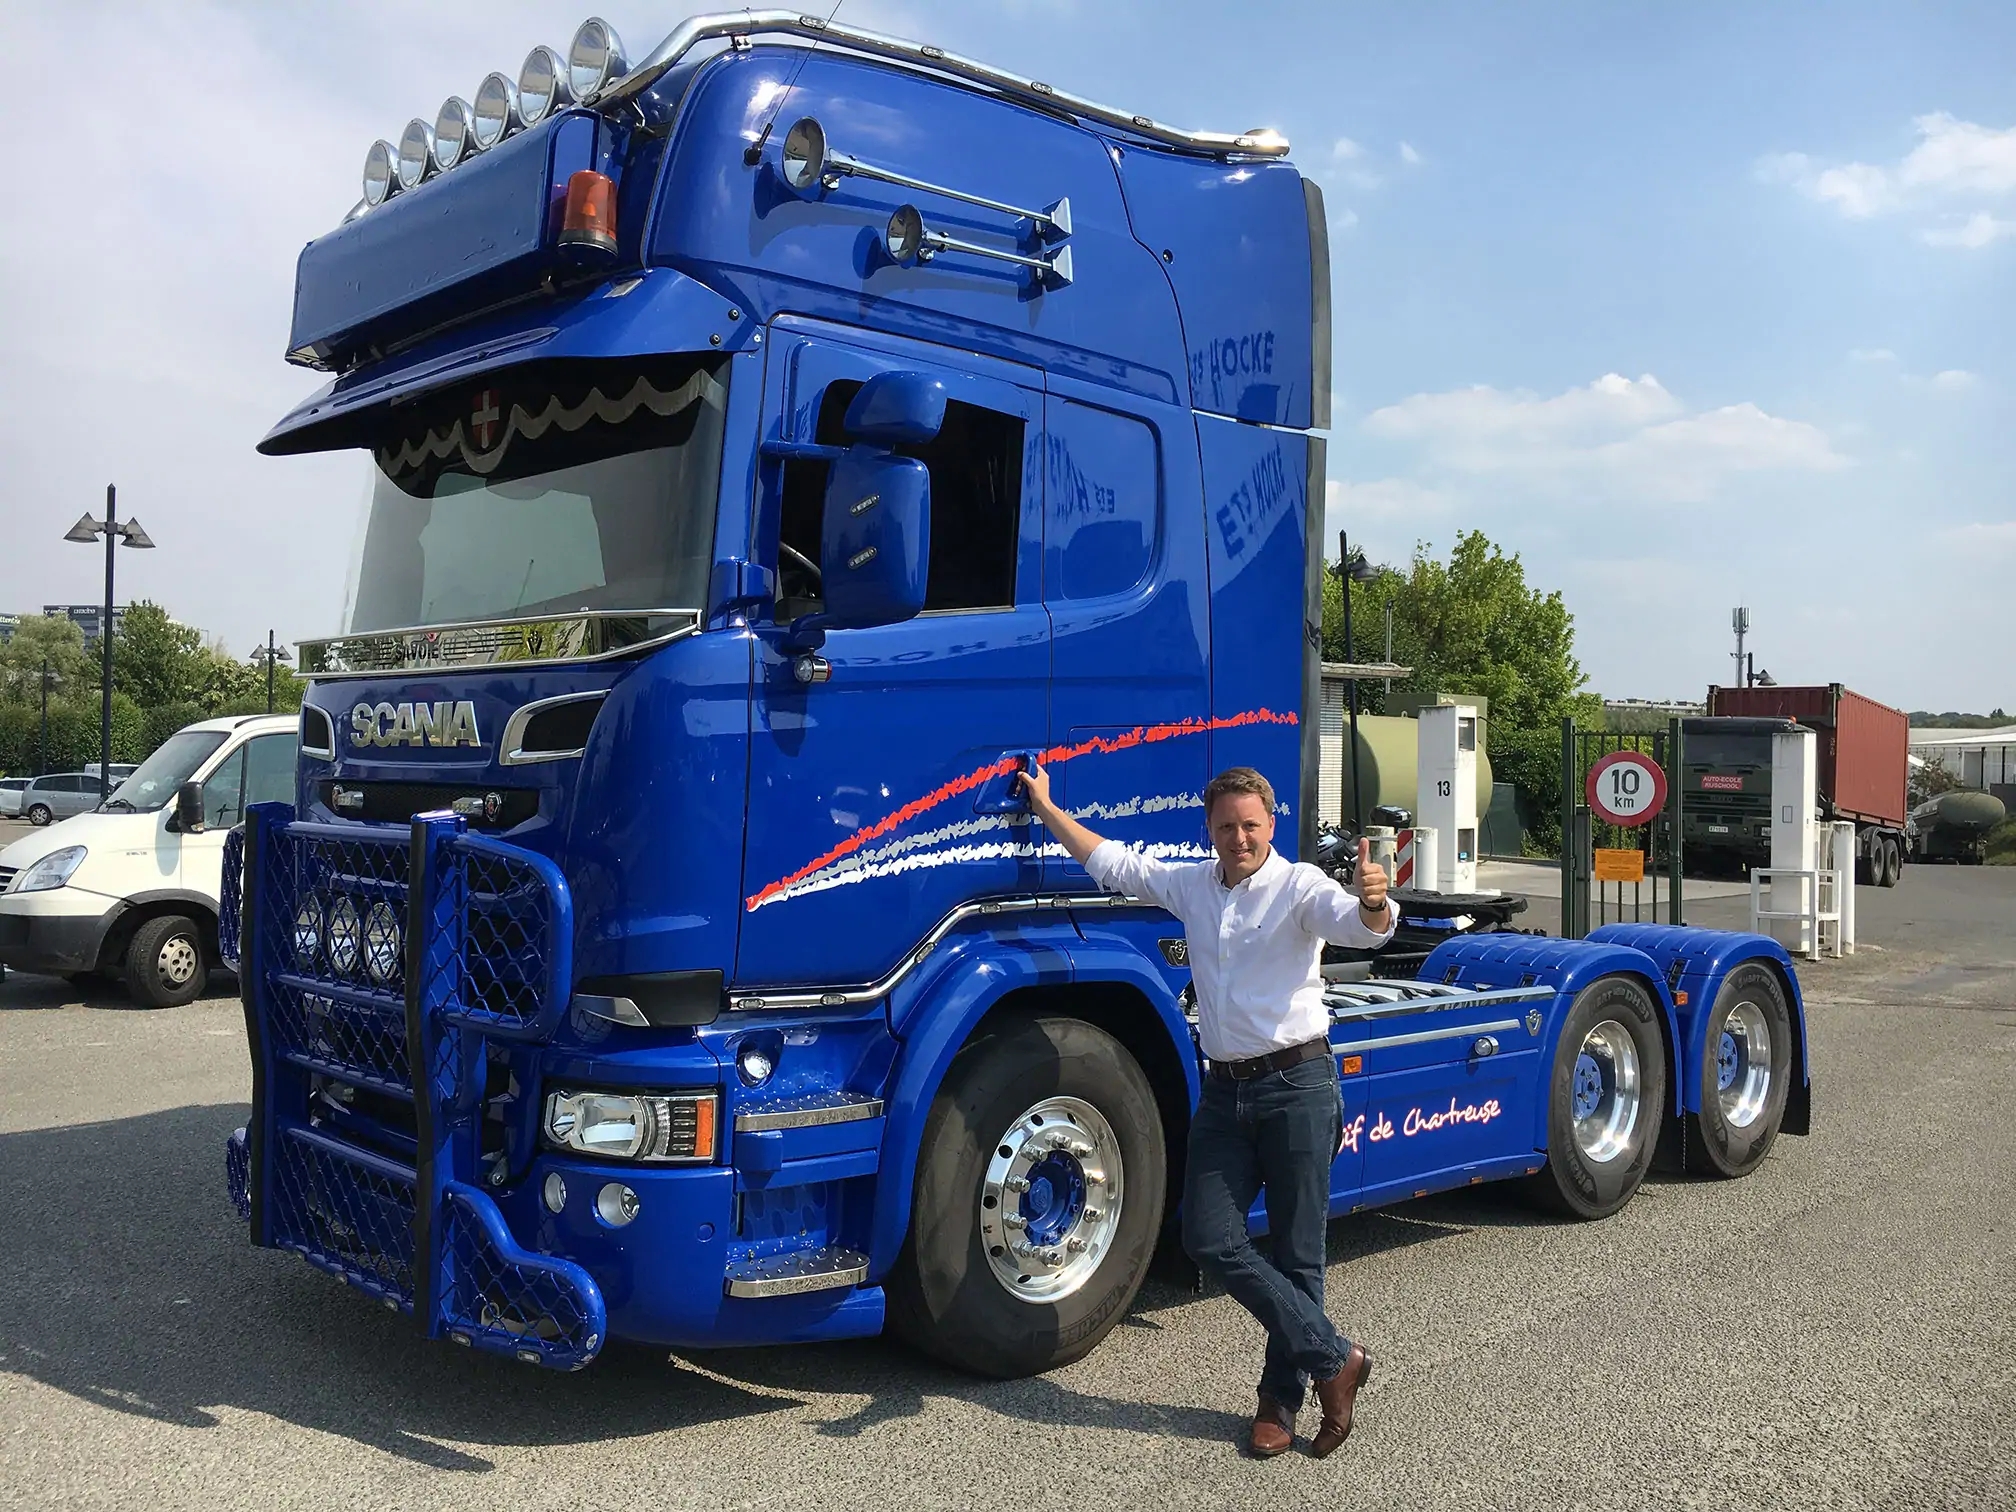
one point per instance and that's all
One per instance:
(593, 58)
(555, 1192)
(453, 138)
(416, 154)
(381, 173)
(383, 941)
(753, 1066)
(617, 1204)
(346, 937)
(542, 85)
(307, 935)
(496, 110)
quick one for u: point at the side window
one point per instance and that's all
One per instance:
(269, 769)
(1101, 493)
(976, 507)
(224, 792)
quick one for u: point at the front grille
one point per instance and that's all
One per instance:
(7, 877)
(398, 802)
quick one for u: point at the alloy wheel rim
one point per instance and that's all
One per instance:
(1050, 1199)
(1607, 1089)
(1743, 1065)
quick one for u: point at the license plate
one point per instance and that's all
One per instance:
(1718, 829)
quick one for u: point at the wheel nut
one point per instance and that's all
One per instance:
(1014, 1220)
(1080, 1151)
(1053, 1257)
(1017, 1183)
(1075, 1245)
(1093, 1175)
(1093, 1215)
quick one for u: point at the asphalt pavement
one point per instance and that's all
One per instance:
(1834, 1331)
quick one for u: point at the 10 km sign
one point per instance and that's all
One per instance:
(1627, 788)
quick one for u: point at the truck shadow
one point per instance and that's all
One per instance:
(126, 1282)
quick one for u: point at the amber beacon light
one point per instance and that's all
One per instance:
(590, 220)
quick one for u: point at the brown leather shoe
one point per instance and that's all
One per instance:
(1273, 1429)
(1338, 1394)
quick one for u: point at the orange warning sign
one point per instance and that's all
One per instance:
(1619, 866)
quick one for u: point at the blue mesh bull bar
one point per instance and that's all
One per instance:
(376, 962)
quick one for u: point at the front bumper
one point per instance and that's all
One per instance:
(61, 930)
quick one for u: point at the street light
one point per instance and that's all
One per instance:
(42, 749)
(1352, 568)
(270, 653)
(85, 531)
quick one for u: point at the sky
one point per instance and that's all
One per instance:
(1690, 306)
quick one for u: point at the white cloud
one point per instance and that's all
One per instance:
(1986, 538)
(1953, 378)
(1631, 433)
(1408, 155)
(1383, 499)
(1872, 354)
(1953, 158)
(1346, 151)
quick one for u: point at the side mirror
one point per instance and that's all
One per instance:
(875, 553)
(189, 808)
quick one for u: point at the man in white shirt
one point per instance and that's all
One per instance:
(1271, 1114)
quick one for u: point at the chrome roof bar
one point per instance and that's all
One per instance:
(1261, 143)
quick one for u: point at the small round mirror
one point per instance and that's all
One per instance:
(905, 236)
(805, 154)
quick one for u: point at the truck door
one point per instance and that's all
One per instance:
(871, 809)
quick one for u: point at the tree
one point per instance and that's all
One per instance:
(155, 661)
(1473, 625)
(40, 638)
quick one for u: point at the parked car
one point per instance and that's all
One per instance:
(132, 890)
(121, 770)
(11, 789)
(59, 795)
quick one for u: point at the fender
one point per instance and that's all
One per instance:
(1565, 965)
(1695, 962)
(935, 1011)
(1101, 957)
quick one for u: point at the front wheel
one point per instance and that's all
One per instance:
(164, 962)
(39, 815)
(1038, 1201)
(1605, 1101)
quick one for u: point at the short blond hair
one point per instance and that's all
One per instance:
(1237, 780)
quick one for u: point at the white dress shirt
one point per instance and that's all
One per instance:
(1256, 949)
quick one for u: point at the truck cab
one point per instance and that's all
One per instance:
(775, 449)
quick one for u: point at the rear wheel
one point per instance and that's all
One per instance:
(38, 814)
(1746, 1074)
(1893, 862)
(164, 962)
(1606, 1099)
(1038, 1201)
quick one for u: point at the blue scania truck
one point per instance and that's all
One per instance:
(777, 442)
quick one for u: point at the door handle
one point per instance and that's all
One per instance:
(1003, 794)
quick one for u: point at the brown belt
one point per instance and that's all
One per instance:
(1278, 1060)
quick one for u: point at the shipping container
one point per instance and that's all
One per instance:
(1861, 748)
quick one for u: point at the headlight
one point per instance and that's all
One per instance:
(594, 57)
(542, 85)
(452, 137)
(381, 173)
(416, 153)
(496, 111)
(383, 941)
(346, 937)
(678, 1126)
(307, 936)
(51, 872)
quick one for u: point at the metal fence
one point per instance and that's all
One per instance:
(1613, 873)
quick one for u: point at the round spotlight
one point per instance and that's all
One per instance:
(307, 935)
(905, 236)
(381, 172)
(496, 111)
(453, 139)
(383, 941)
(346, 937)
(416, 154)
(594, 58)
(804, 154)
(753, 1066)
(617, 1204)
(555, 1192)
(542, 85)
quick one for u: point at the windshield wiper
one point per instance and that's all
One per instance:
(111, 803)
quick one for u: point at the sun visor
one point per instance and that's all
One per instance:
(659, 311)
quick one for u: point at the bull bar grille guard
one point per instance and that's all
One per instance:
(364, 952)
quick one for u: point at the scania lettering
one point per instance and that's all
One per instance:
(776, 448)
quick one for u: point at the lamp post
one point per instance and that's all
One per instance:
(42, 745)
(114, 530)
(269, 653)
(1349, 571)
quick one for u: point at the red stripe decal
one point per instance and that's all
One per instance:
(1098, 746)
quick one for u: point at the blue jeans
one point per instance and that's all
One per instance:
(1280, 1132)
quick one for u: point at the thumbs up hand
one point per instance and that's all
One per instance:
(1371, 880)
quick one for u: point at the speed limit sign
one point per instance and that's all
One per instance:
(1627, 788)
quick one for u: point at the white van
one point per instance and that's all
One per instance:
(131, 889)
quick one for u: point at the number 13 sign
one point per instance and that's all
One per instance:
(1627, 788)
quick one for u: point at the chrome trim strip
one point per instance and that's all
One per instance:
(698, 29)
(329, 723)
(510, 748)
(850, 997)
(596, 635)
(1346, 1007)
(808, 1112)
(1452, 1031)
(787, 1275)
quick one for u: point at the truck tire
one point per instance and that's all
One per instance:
(1746, 1074)
(39, 815)
(1044, 1140)
(1893, 862)
(1606, 1100)
(164, 962)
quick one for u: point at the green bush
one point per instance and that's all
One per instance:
(2002, 844)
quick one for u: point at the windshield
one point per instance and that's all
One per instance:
(558, 490)
(155, 781)
(1725, 749)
